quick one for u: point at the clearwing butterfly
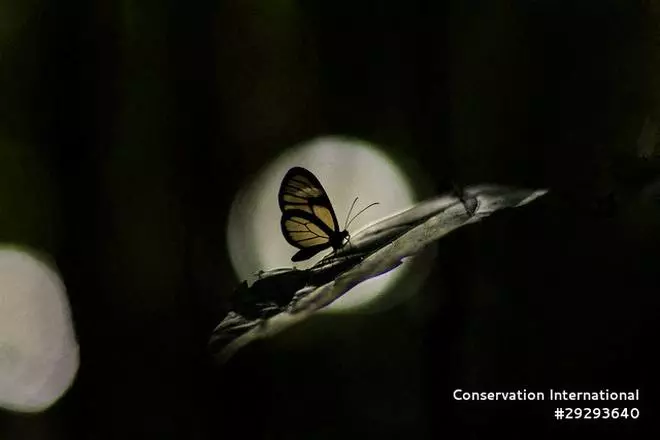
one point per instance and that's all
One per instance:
(308, 220)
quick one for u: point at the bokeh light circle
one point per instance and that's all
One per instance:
(347, 168)
(38, 349)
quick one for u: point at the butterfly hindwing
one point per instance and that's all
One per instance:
(306, 232)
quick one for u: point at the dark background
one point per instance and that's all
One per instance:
(136, 123)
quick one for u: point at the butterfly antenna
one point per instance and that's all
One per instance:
(361, 211)
(349, 213)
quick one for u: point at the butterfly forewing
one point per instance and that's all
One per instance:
(301, 190)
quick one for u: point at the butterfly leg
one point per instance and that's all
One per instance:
(321, 262)
(325, 259)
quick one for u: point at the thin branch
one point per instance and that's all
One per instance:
(397, 237)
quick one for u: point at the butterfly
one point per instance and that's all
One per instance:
(308, 220)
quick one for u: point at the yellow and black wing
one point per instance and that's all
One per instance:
(308, 220)
(305, 232)
(301, 190)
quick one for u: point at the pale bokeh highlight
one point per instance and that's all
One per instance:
(38, 350)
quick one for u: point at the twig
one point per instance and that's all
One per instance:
(422, 225)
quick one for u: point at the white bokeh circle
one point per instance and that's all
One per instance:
(347, 168)
(38, 349)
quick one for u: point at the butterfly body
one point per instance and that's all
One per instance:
(308, 220)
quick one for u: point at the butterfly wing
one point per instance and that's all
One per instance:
(301, 191)
(306, 232)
